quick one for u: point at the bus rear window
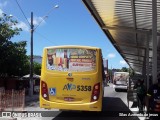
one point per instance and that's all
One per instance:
(71, 59)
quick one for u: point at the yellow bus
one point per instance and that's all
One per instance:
(72, 78)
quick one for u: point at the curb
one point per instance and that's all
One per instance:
(8, 118)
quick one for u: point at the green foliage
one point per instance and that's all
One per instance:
(37, 68)
(124, 69)
(131, 72)
(13, 59)
(8, 27)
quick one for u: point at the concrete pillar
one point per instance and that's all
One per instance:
(154, 39)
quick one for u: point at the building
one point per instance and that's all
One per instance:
(37, 58)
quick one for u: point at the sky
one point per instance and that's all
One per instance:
(69, 24)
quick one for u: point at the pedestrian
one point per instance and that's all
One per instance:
(153, 99)
(141, 93)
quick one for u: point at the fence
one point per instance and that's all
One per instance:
(12, 99)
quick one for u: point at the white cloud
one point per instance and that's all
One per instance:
(37, 21)
(111, 55)
(1, 12)
(122, 62)
(22, 25)
(3, 4)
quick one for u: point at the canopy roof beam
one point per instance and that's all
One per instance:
(130, 30)
(134, 54)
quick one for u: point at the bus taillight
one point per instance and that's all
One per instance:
(44, 90)
(95, 92)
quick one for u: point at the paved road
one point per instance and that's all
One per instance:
(114, 102)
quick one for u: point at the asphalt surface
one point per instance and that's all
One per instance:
(114, 108)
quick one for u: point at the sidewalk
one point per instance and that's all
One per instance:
(28, 100)
(31, 99)
(135, 109)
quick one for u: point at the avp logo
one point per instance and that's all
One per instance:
(69, 86)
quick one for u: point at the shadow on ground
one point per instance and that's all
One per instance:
(112, 108)
(121, 90)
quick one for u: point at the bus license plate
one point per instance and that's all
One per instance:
(68, 99)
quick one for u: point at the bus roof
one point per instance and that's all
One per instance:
(72, 46)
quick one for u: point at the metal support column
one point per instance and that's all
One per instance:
(147, 60)
(144, 70)
(154, 38)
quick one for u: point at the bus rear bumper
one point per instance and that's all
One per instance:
(92, 106)
(120, 87)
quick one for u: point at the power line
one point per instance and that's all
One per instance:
(22, 12)
(41, 22)
(45, 37)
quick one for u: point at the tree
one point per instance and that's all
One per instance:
(13, 57)
(37, 68)
(131, 72)
(7, 28)
(124, 69)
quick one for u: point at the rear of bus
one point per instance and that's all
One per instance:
(71, 78)
(120, 80)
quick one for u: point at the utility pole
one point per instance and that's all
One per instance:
(31, 58)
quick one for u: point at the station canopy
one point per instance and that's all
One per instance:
(128, 26)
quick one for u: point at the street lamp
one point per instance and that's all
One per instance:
(46, 16)
(31, 58)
